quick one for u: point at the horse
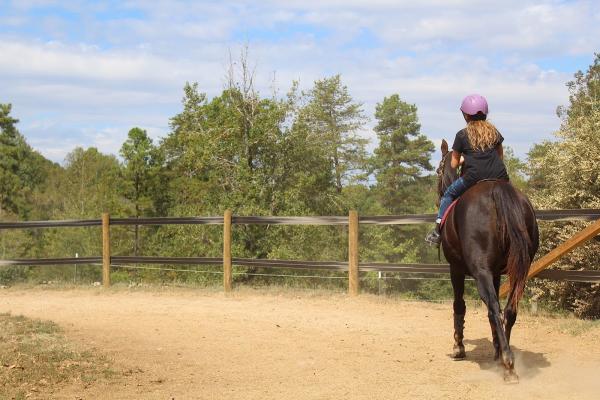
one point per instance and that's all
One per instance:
(492, 230)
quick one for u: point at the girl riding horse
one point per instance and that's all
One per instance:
(492, 230)
(479, 145)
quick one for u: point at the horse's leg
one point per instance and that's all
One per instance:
(494, 332)
(485, 286)
(458, 285)
(510, 317)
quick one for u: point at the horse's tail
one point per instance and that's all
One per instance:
(514, 236)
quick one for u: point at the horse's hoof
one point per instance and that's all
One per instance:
(458, 353)
(508, 361)
(496, 356)
(510, 376)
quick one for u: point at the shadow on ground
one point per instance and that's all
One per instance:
(527, 363)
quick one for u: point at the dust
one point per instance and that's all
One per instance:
(567, 378)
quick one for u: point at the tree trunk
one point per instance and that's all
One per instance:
(338, 174)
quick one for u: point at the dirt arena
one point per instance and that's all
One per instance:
(200, 344)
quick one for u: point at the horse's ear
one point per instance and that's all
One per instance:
(444, 147)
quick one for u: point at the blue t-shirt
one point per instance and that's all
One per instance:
(479, 164)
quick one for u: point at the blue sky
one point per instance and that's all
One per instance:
(82, 73)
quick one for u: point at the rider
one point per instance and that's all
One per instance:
(479, 146)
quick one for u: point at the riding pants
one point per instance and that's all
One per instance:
(457, 188)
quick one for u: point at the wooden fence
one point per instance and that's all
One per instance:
(353, 266)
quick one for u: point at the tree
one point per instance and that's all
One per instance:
(538, 167)
(214, 149)
(255, 156)
(567, 175)
(21, 168)
(92, 184)
(332, 114)
(516, 169)
(25, 180)
(140, 174)
(584, 92)
(303, 180)
(402, 157)
(399, 164)
(221, 154)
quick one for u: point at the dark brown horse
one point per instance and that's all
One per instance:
(492, 230)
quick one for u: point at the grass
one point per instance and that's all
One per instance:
(577, 327)
(36, 359)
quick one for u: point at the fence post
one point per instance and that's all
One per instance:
(106, 250)
(353, 253)
(227, 274)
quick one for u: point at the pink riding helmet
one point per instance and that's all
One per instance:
(473, 104)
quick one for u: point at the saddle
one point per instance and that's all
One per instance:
(447, 212)
(451, 206)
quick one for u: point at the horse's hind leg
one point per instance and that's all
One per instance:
(494, 332)
(458, 286)
(510, 317)
(485, 286)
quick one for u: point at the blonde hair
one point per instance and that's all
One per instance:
(482, 135)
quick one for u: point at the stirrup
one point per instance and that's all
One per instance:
(433, 238)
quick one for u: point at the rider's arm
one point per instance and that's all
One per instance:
(457, 159)
(500, 151)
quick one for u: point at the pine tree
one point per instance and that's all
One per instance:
(140, 174)
(22, 169)
(336, 118)
(402, 157)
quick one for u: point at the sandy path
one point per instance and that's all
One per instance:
(187, 344)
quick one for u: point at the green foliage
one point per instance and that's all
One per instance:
(516, 169)
(566, 174)
(264, 157)
(141, 177)
(400, 164)
(89, 185)
(141, 166)
(539, 166)
(22, 170)
(402, 157)
(26, 178)
(584, 93)
(334, 118)
(12, 274)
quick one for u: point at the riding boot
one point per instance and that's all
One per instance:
(459, 326)
(433, 237)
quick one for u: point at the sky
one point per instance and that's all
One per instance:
(82, 73)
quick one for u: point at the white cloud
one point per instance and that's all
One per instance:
(54, 60)
(128, 70)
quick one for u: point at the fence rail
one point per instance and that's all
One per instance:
(411, 219)
(352, 267)
(340, 266)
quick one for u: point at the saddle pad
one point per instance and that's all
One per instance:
(447, 212)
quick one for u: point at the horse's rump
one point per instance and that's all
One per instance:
(517, 232)
(492, 212)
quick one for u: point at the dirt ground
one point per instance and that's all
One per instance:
(200, 344)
